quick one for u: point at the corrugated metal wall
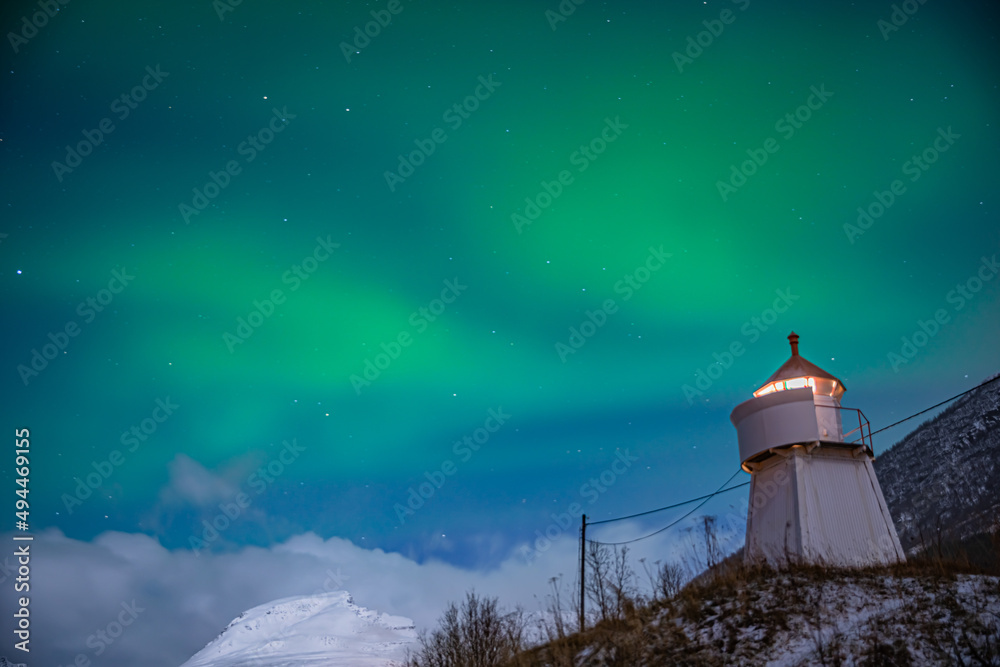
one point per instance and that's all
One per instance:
(827, 510)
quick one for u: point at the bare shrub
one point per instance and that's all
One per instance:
(610, 583)
(713, 552)
(477, 634)
(557, 605)
(665, 579)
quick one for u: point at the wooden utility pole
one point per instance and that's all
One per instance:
(583, 569)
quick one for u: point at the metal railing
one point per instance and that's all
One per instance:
(863, 429)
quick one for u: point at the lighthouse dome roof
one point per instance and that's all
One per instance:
(798, 366)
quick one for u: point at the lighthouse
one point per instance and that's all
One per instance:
(814, 497)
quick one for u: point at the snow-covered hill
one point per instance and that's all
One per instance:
(802, 618)
(325, 629)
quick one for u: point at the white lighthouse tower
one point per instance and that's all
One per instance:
(813, 493)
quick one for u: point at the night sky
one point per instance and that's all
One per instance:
(255, 261)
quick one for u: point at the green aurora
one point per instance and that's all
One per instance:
(255, 167)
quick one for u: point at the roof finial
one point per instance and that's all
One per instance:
(793, 340)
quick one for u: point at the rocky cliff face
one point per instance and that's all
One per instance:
(942, 481)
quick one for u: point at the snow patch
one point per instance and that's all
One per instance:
(326, 629)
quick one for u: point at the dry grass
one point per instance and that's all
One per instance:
(929, 611)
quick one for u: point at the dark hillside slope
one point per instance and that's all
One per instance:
(945, 476)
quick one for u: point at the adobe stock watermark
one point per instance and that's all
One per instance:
(454, 116)
(103, 638)
(787, 125)
(752, 330)
(915, 167)
(563, 11)
(960, 296)
(581, 158)
(627, 286)
(335, 578)
(898, 18)
(249, 149)
(7, 569)
(47, 9)
(696, 44)
(372, 29)
(419, 319)
(121, 106)
(436, 478)
(59, 341)
(258, 482)
(591, 491)
(131, 439)
(223, 7)
(294, 277)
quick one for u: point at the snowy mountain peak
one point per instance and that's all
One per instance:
(326, 629)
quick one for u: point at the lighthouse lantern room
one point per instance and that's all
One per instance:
(814, 497)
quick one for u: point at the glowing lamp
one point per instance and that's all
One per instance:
(798, 372)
